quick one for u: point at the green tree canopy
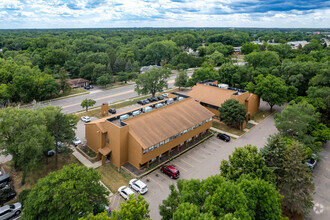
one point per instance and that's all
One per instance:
(262, 59)
(296, 181)
(246, 160)
(181, 79)
(152, 81)
(104, 80)
(232, 113)
(249, 48)
(69, 193)
(271, 89)
(87, 103)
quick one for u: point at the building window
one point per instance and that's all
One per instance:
(161, 143)
(153, 159)
(151, 148)
(167, 140)
(182, 144)
(157, 145)
(196, 135)
(190, 139)
(107, 140)
(145, 151)
(172, 138)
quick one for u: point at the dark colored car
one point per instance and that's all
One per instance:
(112, 111)
(223, 137)
(152, 99)
(8, 192)
(141, 102)
(170, 171)
(146, 101)
(87, 87)
(160, 97)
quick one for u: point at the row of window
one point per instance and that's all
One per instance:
(175, 136)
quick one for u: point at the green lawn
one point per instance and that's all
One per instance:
(222, 126)
(112, 178)
(261, 115)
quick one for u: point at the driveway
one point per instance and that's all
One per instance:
(321, 210)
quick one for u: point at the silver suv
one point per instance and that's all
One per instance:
(9, 211)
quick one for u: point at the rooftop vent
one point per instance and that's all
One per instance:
(223, 86)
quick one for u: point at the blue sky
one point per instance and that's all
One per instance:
(164, 13)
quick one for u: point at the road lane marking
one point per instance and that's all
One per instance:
(194, 158)
(186, 162)
(149, 177)
(104, 97)
(176, 165)
(203, 149)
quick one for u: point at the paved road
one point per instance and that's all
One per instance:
(72, 104)
(321, 210)
(199, 163)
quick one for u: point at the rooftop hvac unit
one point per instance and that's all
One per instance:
(223, 86)
(180, 98)
(135, 113)
(159, 105)
(169, 101)
(123, 117)
(147, 109)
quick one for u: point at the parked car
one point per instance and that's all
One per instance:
(112, 111)
(160, 97)
(8, 193)
(165, 95)
(223, 137)
(125, 192)
(4, 180)
(51, 153)
(9, 211)
(91, 86)
(85, 119)
(152, 99)
(170, 171)
(312, 162)
(76, 141)
(138, 186)
(146, 101)
(141, 102)
(87, 87)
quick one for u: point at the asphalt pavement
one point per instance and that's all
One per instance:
(72, 104)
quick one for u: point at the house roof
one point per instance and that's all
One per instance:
(77, 81)
(210, 94)
(158, 125)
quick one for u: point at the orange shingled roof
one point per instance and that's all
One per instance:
(210, 94)
(158, 125)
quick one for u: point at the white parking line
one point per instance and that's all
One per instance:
(149, 177)
(194, 158)
(186, 162)
(181, 168)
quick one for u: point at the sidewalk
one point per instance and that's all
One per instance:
(85, 161)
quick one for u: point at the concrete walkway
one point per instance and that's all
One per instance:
(85, 161)
(227, 133)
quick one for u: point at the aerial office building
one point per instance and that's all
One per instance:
(143, 135)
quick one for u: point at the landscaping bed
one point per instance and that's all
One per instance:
(86, 150)
(261, 115)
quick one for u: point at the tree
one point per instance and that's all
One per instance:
(123, 77)
(226, 72)
(262, 59)
(69, 193)
(216, 58)
(206, 72)
(246, 160)
(249, 48)
(136, 207)
(25, 137)
(152, 81)
(181, 79)
(232, 113)
(296, 182)
(168, 206)
(103, 80)
(273, 152)
(60, 126)
(271, 89)
(295, 119)
(63, 76)
(87, 103)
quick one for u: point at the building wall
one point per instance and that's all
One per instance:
(94, 138)
(214, 111)
(252, 105)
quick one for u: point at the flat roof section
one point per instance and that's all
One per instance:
(160, 124)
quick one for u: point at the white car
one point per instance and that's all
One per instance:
(85, 119)
(76, 141)
(124, 191)
(165, 95)
(138, 186)
(9, 211)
